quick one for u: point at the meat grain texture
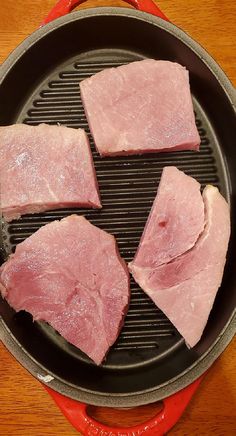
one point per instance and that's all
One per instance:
(141, 107)
(69, 273)
(184, 287)
(45, 167)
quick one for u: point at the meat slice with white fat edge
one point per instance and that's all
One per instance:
(45, 167)
(185, 288)
(141, 107)
(69, 273)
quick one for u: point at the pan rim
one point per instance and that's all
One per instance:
(227, 333)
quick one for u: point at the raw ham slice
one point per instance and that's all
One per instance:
(175, 221)
(185, 287)
(70, 274)
(144, 106)
(45, 167)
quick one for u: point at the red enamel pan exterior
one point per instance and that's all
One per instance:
(159, 425)
(64, 7)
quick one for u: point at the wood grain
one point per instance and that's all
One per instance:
(26, 408)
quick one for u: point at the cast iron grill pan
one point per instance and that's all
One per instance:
(149, 350)
(128, 187)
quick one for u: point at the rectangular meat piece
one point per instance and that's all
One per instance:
(141, 107)
(185, 287)
(45, 167)
(69, 273)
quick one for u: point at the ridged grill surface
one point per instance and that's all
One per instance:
(127, 185)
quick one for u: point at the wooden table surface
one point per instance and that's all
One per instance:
(26, 409)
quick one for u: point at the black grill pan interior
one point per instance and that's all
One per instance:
(149, 350)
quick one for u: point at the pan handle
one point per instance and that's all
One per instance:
(63, 7)
(173, 408)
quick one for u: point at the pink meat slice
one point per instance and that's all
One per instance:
(144, 106)
(45, 167)
(70, 274)
(185, 288)
(175, 221)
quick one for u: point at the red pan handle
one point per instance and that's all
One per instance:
(63, 7)
(173, 408)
